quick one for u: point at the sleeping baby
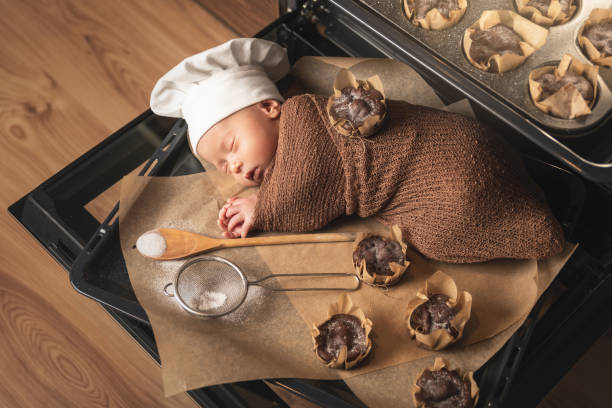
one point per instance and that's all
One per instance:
(458, 192)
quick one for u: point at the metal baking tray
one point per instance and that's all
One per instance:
(513, 85)
(99, 271)
(353, 25)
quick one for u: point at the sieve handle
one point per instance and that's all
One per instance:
(282, 275)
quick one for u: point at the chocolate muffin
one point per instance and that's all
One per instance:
(422, 7)
(341, 330)
(378, 252)
(498, 39)
(355, 105)
(433, 315)
(437, 316)
(600, 35)
(567, 91)
(543, 5)
(551, 84)
(444, 389)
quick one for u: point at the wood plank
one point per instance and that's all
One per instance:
(246, 17)
(72, 72)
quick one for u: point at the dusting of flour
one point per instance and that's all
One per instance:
(151, 244)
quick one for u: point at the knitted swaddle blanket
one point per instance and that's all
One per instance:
(458, 191)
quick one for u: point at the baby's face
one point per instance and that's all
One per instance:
(243, 144)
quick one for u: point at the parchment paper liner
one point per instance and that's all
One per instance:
(372, 124)
(596, 16)
(344, 305)
(567, 102)
(554, 15)
(434, 20)
(397, 269)
(441, 283)
(439, 364)
(195, 353)
(533, 37)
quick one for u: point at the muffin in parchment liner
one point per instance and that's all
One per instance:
(446, 387)
(597, 56)
(343, 340)
(437, 316)
(379, 260)
(531, 37)
(357, 108)
(435, 19)
(567, 101)
(558, 12)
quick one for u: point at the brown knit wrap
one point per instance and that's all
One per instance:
(459, 193)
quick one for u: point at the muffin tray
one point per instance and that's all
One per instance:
(512, 86)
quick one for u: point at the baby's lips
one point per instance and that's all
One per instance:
(248, 176)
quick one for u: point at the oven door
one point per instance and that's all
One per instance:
(55, 213)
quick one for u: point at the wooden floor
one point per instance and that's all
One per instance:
(71, 73)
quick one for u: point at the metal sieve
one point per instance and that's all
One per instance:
(211, 286)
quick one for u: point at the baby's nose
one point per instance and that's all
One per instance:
(236, 166)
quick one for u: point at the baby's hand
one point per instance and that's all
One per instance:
(236, 217)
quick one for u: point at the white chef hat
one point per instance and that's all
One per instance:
(208, 87)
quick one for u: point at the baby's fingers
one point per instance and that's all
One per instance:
(246, 226)
(235, 221)
(235, 233)
(222, 225)
(232, 211)
(231, 235)
(223, 213)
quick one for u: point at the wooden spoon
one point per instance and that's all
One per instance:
(169, 243)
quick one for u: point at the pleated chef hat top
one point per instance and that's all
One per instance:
(208, 87)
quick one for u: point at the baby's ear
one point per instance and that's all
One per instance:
(271, 108)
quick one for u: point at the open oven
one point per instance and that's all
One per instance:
(573, 167)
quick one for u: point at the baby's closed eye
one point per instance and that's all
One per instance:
(229, 142)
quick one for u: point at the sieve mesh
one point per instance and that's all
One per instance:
(210, 286)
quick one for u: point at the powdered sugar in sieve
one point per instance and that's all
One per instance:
(212, 300)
